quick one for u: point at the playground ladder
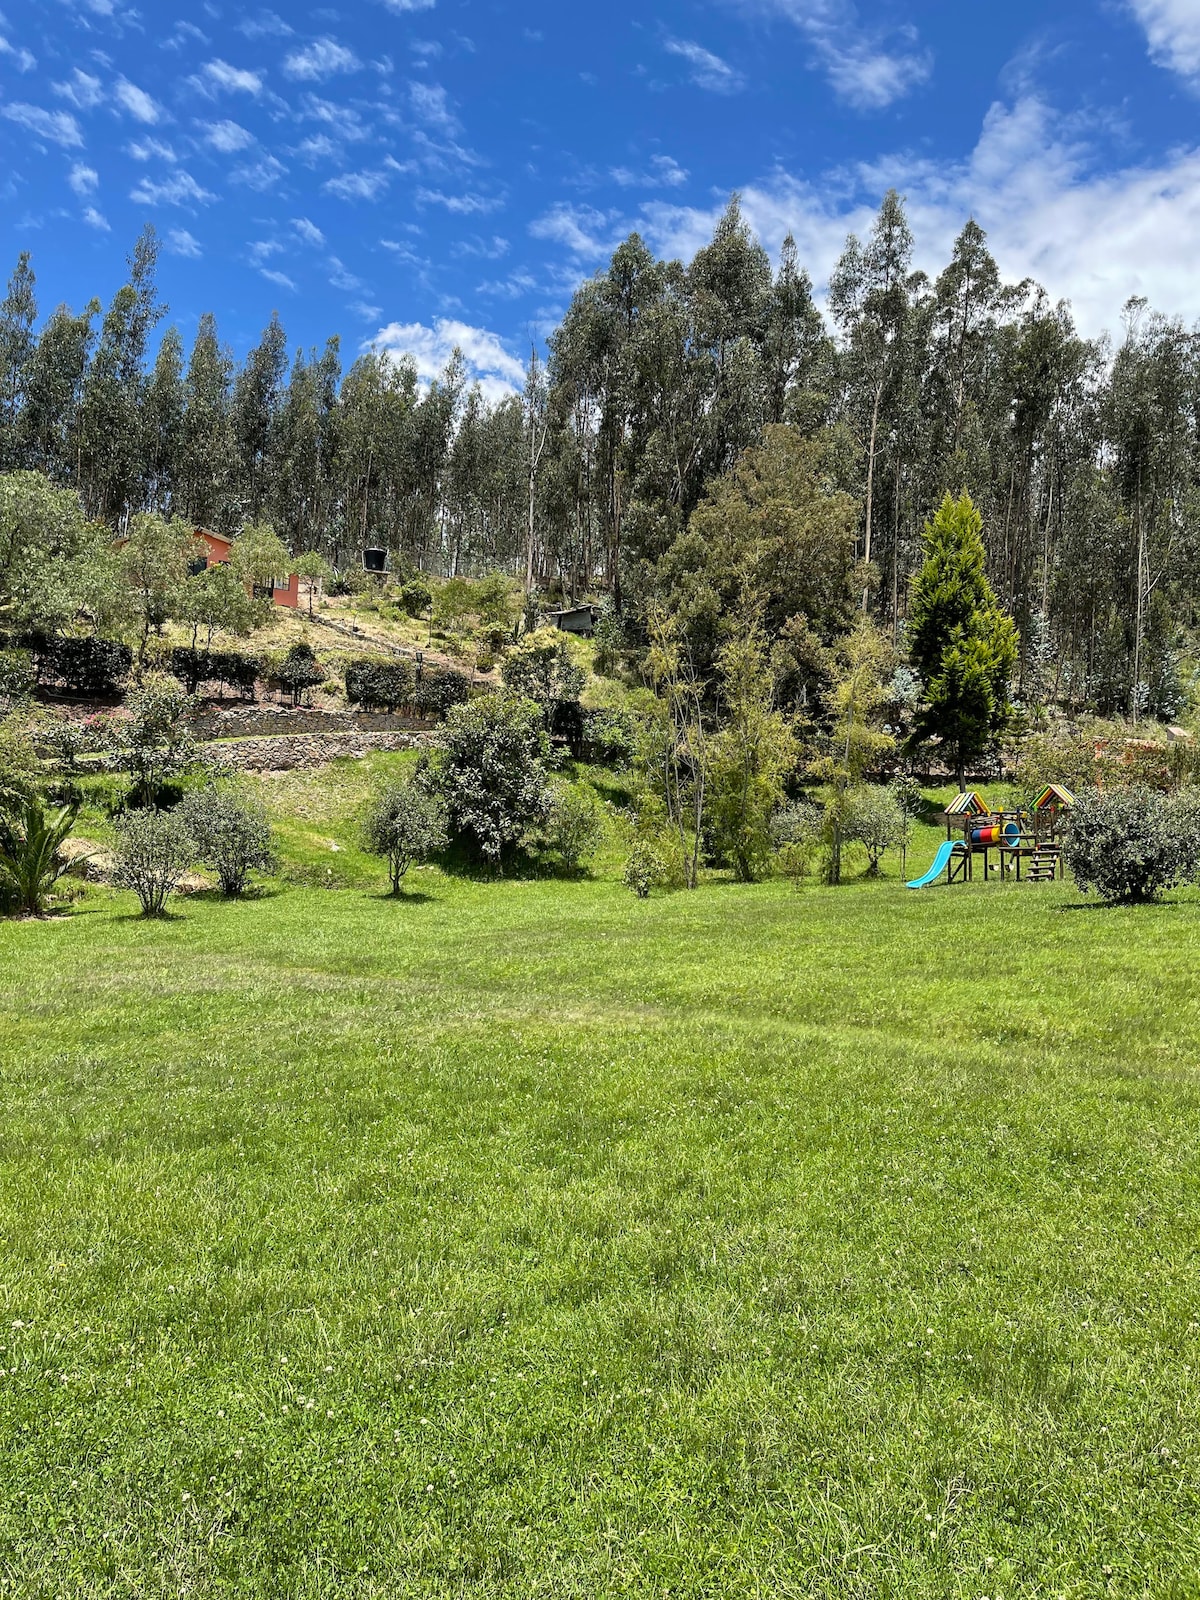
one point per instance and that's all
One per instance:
(1043, 864)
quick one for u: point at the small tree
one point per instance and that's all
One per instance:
(646, 869)
(541, 669)
(574, 829)
(874, 819)
(299, 672)
(216, 601)
(1131, 845)
(155, 561)
(31, 853)
(313, 567)
(861, 670)
(154, 851)
(963, 646)
(231, 833)
(796, 831)
(260, 556)
(153, 744)
(406, 825)
(19, 764)
(491, 773)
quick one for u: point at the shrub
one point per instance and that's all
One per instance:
(68, 740)
(19, 764)
(646, 869)
(872, 817)
(17, 677)
(404, 824)
(233, 668)
(491, 773)
(231, 833)
(154, 851)
(85, 666)
(380, 685)
(611, 734)
(1131, 845)
(796, 831)
(299, 672)
(575, 827)
(437, 693)
(541, 669)
(415, 597)
(154, 743)
(31, 855)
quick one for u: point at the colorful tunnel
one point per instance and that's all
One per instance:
(995, 833)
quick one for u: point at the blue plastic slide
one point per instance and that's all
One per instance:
(941, 860)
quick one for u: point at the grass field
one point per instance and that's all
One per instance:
(523, 1239)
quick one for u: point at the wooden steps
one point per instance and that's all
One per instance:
(1043, 864)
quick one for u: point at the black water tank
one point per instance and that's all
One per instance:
(374, 560)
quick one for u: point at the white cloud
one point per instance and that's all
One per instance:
(267, 25)
(218, 77)
(94, 219)
(181, 243)
(497, 371)
(582, 230)
(81, 90)
(1092, 237)
(140, 106)
(186, 35)
(1173, 29)
(228, 137)
(459, 205)
(152, 150)
(662, 173)
(308, 231)
(24, 60)
(368, 313)
(59, 127)
(429, 103)
(280, 278)
(178, 189)
(358, 185)
(84, 180)
(510, 288)
(342, 279)
(863, 67)
(259, 175)
(401, 7)
(707, 70)
(321, 59)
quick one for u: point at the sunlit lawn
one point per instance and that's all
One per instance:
(522, 1239)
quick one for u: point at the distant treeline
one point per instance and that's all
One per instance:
(1083, 455)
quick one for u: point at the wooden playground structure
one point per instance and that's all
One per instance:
(1027, 843)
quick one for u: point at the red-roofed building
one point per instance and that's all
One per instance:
(281, 592)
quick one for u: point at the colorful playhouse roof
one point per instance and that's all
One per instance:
(968, 805)
(1054, 796)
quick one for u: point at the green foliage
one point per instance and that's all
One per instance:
(299, 672)
(873, 817)
(415, 596)
(259, 556)
(20, 768)
(216, 601)
(231, 834)
(1133, 844)
(574, 828)
(55, 565)
(796, 832)
(405, 824)
(153, 742)
(153, 855)
(861, 670)
(647, 868)
(752, 756)
(491, 773)
(380, 683)
(963, 646)
(17, 677)
(155, 562)
(31, 853)
(540, 668)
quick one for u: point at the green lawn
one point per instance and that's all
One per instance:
(522, 1239)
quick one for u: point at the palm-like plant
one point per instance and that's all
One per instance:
(31, 856)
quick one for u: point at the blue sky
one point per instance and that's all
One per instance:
(432, 172)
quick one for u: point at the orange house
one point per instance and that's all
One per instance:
(281, 591)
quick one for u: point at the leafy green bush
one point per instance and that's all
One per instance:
(17, 677)
(233, 668)
(31, 854)
(154, 851)
(574, 829)
(379, 684)
(415, 597)
(873, 817)
(299, 672)
(19, 764)
(646, 868)
(437, 693)
(541, 669)
(491, 772)
(84, 666)
(153, 743)
(1133, 844)
(796, 831)
(231, 832)
(404, 824)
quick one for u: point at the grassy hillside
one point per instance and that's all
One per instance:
(523, 1239)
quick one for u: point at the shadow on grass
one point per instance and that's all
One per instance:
(1121, 905)
(406, 897)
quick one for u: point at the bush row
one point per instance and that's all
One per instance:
(381, 684)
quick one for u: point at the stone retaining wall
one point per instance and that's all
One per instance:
(261, 721)
(291, 751)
